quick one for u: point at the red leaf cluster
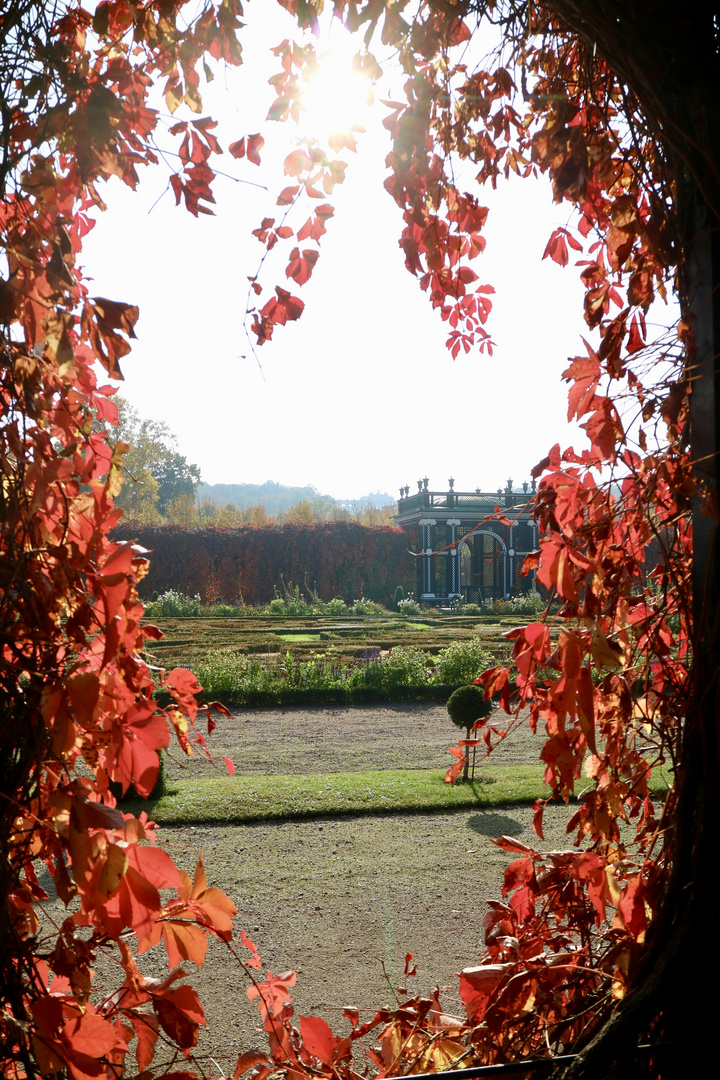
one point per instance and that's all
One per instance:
(79, 712)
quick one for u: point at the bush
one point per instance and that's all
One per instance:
(224, 611)
(336, 606)
(531, 603)
(318, 673)
(409, 606)
(238, 679)
(292, 603)
(367, 607)
(467, 705)
(223, 674)
(172, 604)
(463, 661)
(235, 677)
(405, 665)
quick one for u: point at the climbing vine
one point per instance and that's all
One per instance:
(589, 948)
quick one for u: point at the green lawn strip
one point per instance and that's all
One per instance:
(242, 799)
(299, 636)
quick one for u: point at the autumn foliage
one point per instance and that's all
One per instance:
(74, 691)
(578, 945)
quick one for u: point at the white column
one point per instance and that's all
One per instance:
(454, 556)
(426, 525)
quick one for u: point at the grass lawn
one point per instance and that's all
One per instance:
(238, 799)
(300, 637)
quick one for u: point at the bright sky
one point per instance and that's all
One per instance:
(361, 393)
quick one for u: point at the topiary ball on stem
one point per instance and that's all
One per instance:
(465, 707)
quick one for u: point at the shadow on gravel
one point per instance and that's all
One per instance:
(494, 825)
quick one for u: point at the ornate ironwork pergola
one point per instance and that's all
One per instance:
(473, 543)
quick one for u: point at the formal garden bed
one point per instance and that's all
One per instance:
(264, 660)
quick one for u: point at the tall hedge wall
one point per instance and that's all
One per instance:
(338, 558)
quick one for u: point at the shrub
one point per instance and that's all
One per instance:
(173, 604)
(232, 677)
(318, 673)
(235, 677)
(367, 607)
(221, 674)
(336, 606)
(292, 603)
(409, 606)
(463, 661)
(224, 611)
(406, 665)
(530, 603)
(466, 705)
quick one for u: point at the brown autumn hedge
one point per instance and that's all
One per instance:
(339, 558)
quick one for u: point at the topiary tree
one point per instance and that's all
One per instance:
(466, 706)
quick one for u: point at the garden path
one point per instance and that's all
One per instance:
(334, 898)
(295, 739)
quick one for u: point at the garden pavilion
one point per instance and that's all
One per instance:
(472, 543)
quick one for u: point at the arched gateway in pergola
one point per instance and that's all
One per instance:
(465, 551)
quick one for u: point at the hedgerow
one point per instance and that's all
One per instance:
(248, 565)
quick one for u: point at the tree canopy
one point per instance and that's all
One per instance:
(592, 950)
(155, 473)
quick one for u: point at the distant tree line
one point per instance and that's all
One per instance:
(303, 512)
(160, 487)
(279, 498)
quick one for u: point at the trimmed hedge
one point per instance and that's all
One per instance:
(339, 558)
(321, 696)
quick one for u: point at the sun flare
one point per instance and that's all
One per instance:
(337, 99)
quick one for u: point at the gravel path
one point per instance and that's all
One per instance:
(334, 899)
(340, 739)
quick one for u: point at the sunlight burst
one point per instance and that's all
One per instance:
(337, 99)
